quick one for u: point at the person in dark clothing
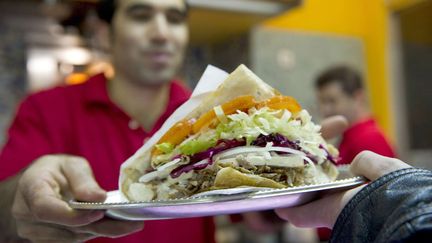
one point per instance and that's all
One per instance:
(396, 206)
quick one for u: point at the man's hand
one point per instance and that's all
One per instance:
(41, 209)
(333, 126)
(324, 212)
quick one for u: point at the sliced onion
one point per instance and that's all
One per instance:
(166, 165)
(149, 176)
(159, 172)
(291, 161)
(202, 162)
(256, 149)
(269, 145)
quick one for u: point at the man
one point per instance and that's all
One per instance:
(340, 92)
(69, 142)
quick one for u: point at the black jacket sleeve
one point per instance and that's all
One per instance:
(395, 208)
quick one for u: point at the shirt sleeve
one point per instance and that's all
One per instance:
(27, 140)
(394, 208)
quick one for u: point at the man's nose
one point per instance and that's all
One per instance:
(160, 29)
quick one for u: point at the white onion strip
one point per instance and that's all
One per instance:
(255, 149)
(159, 171)
(149, 176)
(169, 164)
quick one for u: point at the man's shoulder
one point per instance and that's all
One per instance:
(364, 128)
(371, 128)
(364, 133)
(62, 94)
(56, 93)
(370, 137)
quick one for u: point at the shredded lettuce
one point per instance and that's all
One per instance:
(264, 121)
(296, 127)
(197, 145)
(220, 114)
(166, 148)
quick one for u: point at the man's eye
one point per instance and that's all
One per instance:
(175, 16)
(141, 15)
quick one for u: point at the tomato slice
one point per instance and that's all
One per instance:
(175, 135)
(280, 103)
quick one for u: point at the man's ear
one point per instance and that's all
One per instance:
(102, 34)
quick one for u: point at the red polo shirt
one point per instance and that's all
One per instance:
(364, 135)
(82, 120)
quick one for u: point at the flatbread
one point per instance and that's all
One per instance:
(241, 82)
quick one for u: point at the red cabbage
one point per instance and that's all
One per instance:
(277, 139)
(221, 145)
(280, 140)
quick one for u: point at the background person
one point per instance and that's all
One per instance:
(340, 91)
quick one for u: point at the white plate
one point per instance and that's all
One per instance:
(236, 200)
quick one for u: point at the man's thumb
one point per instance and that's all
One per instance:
(373, 166)
(81, 180)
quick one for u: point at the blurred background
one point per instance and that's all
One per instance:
(44, 43)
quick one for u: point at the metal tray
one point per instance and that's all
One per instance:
(236, 200)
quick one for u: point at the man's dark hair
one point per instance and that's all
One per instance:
(349, 79)
(106, 9)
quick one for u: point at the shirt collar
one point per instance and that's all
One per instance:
(97, 93)
(178, 95)
(96, 90)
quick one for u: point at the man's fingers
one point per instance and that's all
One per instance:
(45, 205)
(319, 213)
(333, 126)
(81, 180)
(111, 228)
(314, 214)
(373, 166)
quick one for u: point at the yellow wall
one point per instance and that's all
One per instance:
(366, 19)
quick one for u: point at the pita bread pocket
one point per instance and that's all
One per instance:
(244, 133)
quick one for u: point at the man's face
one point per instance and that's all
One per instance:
(149, 39)
(332, 100)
